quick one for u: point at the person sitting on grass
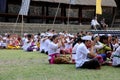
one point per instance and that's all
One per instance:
(76, 44)
(29, 44)
(13, 42)
(116, 58)
(105, 52)
(53, 47)
(82, 53)
(68, 41)
(115, 42)
(97, 46)
(54, 56)
(1, 42)
(42, 42)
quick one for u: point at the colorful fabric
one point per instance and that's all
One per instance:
(53, 56)
(13, 47)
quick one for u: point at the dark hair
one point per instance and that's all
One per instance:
(53, 30)
(53, 37)
(114, 36)
(77, 40)
(48, 30)
(113, 39)
(8, 35)
(29, 35)
(38, 34)
(83, 41)
(104, 37)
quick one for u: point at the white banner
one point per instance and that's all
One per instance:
(72, 1)
(24, 7)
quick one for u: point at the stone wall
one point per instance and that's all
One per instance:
(35, 28)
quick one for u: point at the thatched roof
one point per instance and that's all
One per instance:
(109, 3)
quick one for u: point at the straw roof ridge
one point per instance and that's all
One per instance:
(109, 3)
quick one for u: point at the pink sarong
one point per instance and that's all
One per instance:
(53, 56)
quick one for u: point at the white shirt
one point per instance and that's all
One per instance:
(115, 46)
(53, 48)
(3, 44)
(81, 55)
(46, 43)
(116, 60)
(94, 22)
(42, 44)
(26, 45)
(98, 46)
(23, 40)
(68, 44)
(74, 50)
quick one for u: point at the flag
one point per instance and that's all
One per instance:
(2, 6)
(24, 7)
(98, 7)
(72, 1)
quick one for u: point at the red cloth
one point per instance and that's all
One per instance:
(51, 61)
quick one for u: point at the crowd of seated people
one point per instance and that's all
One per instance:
(86, 50)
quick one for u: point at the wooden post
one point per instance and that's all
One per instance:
(43, 13)
(6, 18)
(22, 25)
(56, 13)
(28, 19)
(47, 14)
(63, 14)
(15, 25)
(113, 19)
(80, 14)
(68, 19)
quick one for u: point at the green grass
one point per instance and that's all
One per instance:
(20, 65)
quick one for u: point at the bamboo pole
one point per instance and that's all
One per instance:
(22, 24)
(56, 13)
(15, 25)
(113, 20)
(68, 19)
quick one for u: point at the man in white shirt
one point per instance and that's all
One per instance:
(47, 42)
(42, 42)
(94, 24)
(82, 53)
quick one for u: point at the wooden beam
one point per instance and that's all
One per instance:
(14, 2)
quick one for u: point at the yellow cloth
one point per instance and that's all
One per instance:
(98, 7)
(38, 44)
(104, 49)
(13, 47)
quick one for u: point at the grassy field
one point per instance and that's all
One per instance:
(20, 65)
